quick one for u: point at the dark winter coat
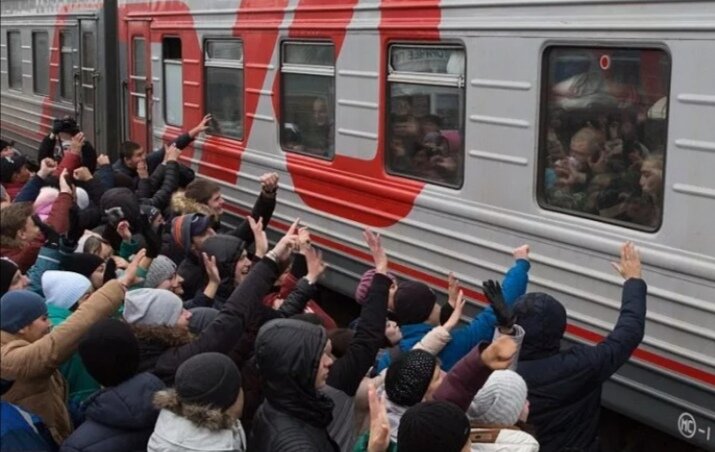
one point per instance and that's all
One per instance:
(118, 419)
(565, 386)
(49, 148)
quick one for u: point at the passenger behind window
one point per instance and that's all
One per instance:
(318, 134)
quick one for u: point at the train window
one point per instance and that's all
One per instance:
(40, 63)
(223, 61)
(66, 66)
(308, 98)
(14, 58)
(89, 52)
(425, 125)
(603, 133)
(173, 82)
(138, 77)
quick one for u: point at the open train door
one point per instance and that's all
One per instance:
(139, 86)
(87, 79)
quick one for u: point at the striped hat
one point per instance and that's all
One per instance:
(185, 227)
(500, 401)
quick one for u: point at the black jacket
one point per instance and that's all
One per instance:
(223, 333)
(565, 386)
(119, 419)
(48, 149)
(154, 159)
(294, 416)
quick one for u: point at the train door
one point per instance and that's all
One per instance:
(87, 78)
(140, 88)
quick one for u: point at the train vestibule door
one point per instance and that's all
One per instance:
(87, 78)
(139, 86)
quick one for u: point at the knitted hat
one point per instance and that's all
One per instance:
(414, 302)
(363, 286)
(208, 379)
(64, 289)
(82, 198)
(7, 272)
(185, 227)
(431, 426)
(110, 352)
(161, 269)
(200, 318)
(19, 308)
(44, 201)
(409, 377)
(83, 263)
(9, 165)
(152, 307)
(500, 400)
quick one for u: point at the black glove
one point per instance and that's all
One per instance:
(504, 314)
(153, 239)
(52, 238)
(56, 126)
(75, 228)
(110, 270)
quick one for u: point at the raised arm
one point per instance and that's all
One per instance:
(263, 208)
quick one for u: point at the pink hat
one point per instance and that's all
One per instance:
(365, 283)
(44, 201)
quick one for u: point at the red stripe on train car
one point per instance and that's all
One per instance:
(574, 330)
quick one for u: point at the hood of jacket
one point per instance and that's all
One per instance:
(200, 416)
(544, 321)
(288, 354)
(128, 405)
(510, 439)
(227, 249)
(177, 434)
(154, 340)
(181, 205)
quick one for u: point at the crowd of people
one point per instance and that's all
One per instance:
(133, 318)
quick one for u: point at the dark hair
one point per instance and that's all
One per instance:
(13, 218)
(340, 338)
(127, 149)
(201, 190)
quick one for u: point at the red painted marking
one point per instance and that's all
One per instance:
(441, 282)
(605, 62)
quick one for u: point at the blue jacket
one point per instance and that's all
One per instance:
(480, 329)
(565, 386)
(118, 419)
(21, 431)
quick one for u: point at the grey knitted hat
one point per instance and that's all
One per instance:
(161, 269)
(152, 307)
(500, 400)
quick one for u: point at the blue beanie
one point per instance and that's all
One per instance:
(19, 308)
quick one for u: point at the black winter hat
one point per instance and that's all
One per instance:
(544, 320)
(208, 379)
(430, 426)
(83, 263)
(414, 302)
(110, 352)
(7, 272)
(227, 249)
(126, 200)
(409, 377)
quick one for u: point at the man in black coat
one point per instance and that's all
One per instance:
(58, 141)
(565, 386)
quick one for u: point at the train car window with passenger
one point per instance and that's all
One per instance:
(66, 66)
(425, 120)
(40, 63)
(14, 60)
(308, 98)
(173, 82)
(603, 133)
(223, 61)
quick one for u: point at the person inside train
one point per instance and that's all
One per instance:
(318, 132)
(58, 141)
(565, 385)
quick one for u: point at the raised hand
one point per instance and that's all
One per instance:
(129, 278)
(379, 256)
(65, 186)
(316, 265)
(201, 126)
(303, 239)
(630, 264)
(379, 425)
(77, 143)
(102, 160)
(452, 289)
(269, 183)
(82, 174)
(124, 231)
(142, 169)
(498, 355)
(283, 249)
(172, 153)
(152, 237)
(456, 315)
(504, 314)
(47, 167)
(259, 236)
(521, 252)
(211, 268)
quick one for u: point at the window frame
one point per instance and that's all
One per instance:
(175, 62)
(541, 141)
(10, 54)
(33, 49)
(134, 78)
(425, 79)
(311, 70)
(71, 96)
(226, 64)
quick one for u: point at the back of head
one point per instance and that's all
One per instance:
(544, 321)
(83, 263)
(288, 353)
(19, 308)
(161, 269)
(500, 401)
(433, 426)
(409, 376)
(208, 379)
(227, 249)
(152, 307)
(414, 302)
(8, 269)
(363, 287)
(110, 352)
(64, 289)
(340, 338)
(201, 190)
(13, 219)
(124, 199)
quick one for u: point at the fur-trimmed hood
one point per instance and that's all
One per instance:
(181, 205)
(202, 416)
(154, 340)
(187, 428)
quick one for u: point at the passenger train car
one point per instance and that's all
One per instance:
(459, 129)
